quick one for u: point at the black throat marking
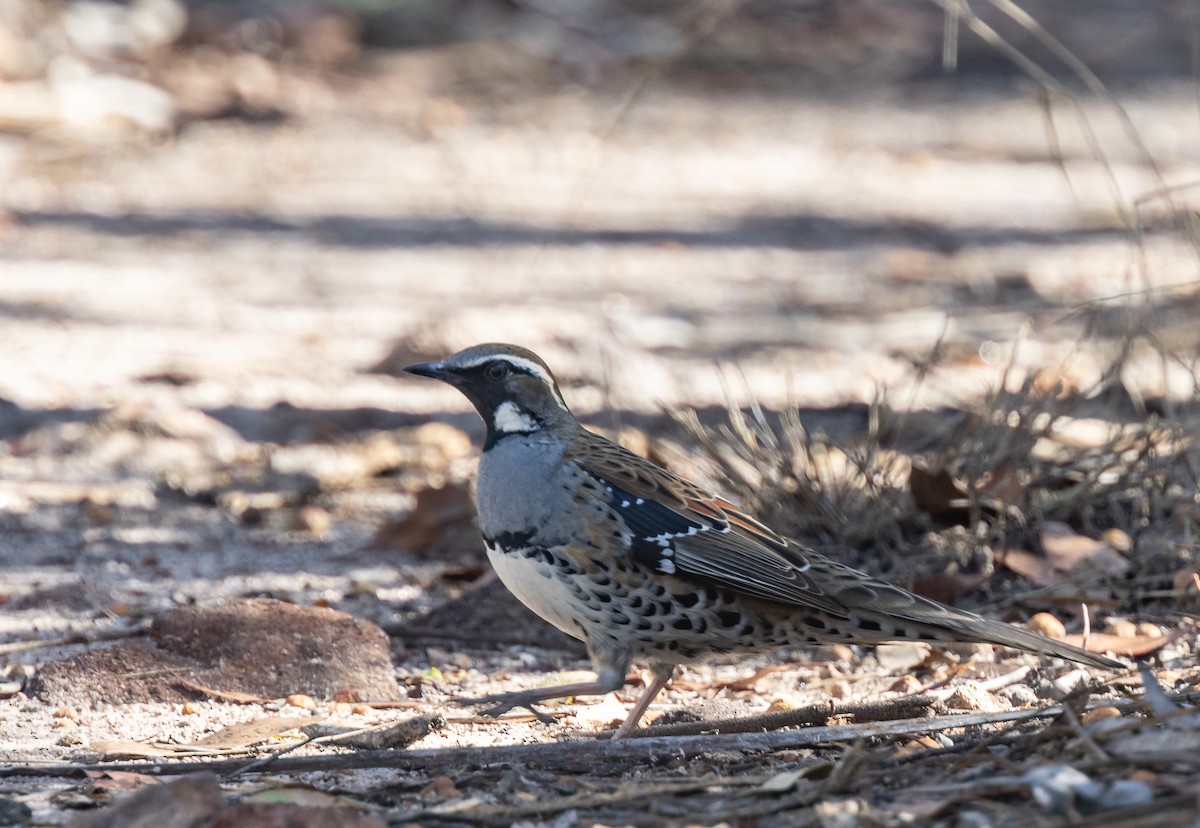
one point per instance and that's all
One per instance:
(510, 541)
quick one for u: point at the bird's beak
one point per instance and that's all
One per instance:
(434, 370)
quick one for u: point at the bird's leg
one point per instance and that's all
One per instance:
(663, 673)
(607, 680)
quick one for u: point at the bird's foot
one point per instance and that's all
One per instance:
(501, 703)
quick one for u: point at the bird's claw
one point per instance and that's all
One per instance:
(504, 702)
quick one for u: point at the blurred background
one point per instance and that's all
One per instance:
(949, 247)
(247, 202)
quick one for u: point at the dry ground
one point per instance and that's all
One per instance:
(190, 414)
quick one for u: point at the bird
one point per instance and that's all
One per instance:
(644, 566)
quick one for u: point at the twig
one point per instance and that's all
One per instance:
(561, 755)
(626, 794)
(1072, 718)
(10, 647)
(869, 711)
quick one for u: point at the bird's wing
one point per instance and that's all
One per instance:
(679, 529)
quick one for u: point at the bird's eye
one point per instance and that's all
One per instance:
(496, 371)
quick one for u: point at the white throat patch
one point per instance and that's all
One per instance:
(511, 420)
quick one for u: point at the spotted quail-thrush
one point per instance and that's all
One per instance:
(643, 565)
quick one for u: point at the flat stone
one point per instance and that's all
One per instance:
(262, 647)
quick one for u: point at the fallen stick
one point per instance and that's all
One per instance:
(73, 639)
(554, 755)
(874, 710)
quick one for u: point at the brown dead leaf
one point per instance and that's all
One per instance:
(947, 587)
(441, 787)
(1132, 646)
(120, 780)
(251, 733)
(1003, 486)
(1066, 552)
(920, 744)
(1065, 549)
(117, 749)
(1186, 582)
(1099, 714)
(304, 796)
(948, 499)
(301, 700)
(1028, 565)
(437, 513)
(937, 493)
(223, 695)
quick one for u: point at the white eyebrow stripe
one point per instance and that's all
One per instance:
(515, 361)
(525, 365)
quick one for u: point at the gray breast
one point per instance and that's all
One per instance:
(522, 486)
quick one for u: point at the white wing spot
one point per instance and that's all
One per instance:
(639, 501)
(667, 567)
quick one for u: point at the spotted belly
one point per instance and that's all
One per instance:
(654, 618)
(544, 583)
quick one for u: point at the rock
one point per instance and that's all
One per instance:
(262, 647)
(273, 649)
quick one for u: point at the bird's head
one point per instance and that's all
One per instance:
(510, 387)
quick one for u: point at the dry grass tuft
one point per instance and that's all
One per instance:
(923, 495)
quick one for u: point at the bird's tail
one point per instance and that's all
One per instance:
(880, 612)
(946, 624)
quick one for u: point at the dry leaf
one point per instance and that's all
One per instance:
(437, 513)
(946, 588)
(305, 797)
(1002, 485)
(608, 711)
(116, 749)
(1028, 565)
(1132, 646)
(782, 782)
(223, 695)
(442, 787)
(1065, 550)
(920, 744)
(119, 780)
(938, 493)
(251, 733)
